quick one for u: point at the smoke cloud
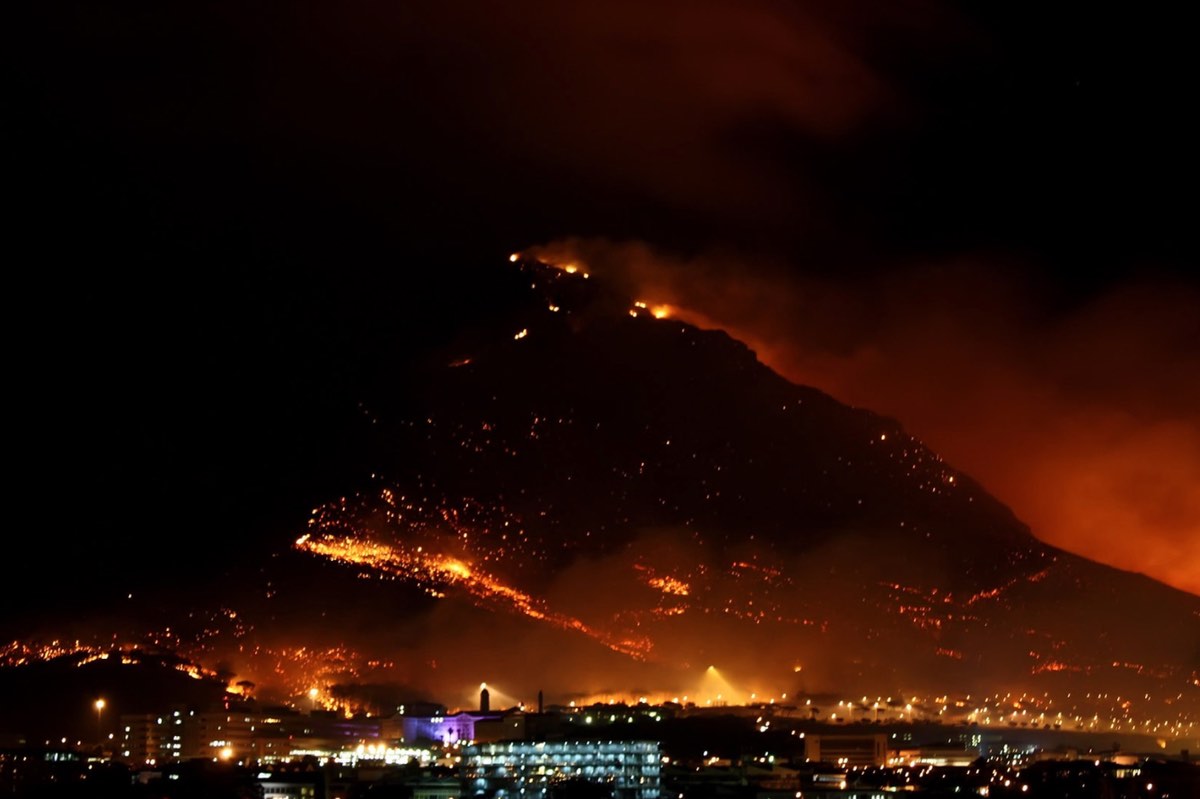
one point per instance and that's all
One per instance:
(1083, 419)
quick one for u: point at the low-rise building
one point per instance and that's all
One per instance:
(866, 749)
(631, 769)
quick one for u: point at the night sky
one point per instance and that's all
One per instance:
(229, 223)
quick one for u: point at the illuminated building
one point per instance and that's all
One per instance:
(139, 739)
(441, 729)
(528, 769)
(290, 786)
(935, 755)
(329, 730)
(24, 768)
(226, 735)
(464, 727)
(187, 735)
(157, 738)
(237, 735)
(847, 750)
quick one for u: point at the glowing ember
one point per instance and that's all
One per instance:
(669, 585)
(436, 572)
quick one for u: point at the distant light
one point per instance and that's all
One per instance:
(514, 257)
(100, 703)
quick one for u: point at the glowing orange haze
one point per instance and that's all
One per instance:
(1087, 422)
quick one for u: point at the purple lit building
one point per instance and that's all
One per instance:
(444, 729)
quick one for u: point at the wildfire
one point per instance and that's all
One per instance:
(669, 585)
(657, 311)
(435, 572)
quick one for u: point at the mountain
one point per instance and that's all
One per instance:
(589, 496)
(652, 486)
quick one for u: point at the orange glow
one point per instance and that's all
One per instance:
(669, 585)
(435, 572)
(458, 569)
(1092, 443)
(657, 311)
(194, 671)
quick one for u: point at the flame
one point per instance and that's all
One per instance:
(658, 311)
(669, 585)
(434, 571)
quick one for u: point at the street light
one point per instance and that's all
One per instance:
(99, 705)
(312, 696)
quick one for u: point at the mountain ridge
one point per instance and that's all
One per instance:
(584, 497)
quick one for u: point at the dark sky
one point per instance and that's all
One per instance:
(230, 220)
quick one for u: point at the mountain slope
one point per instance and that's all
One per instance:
(653, 486)
(588, 499)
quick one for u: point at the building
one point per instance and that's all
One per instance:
(632, 769)
(435, 789)
(23, 770)
(510, 727)
(943, 754)
(238, 735)
(462, 727)
(140, 739)
(149, 739)
(445, 730)
(291, 786)
(868, 749)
